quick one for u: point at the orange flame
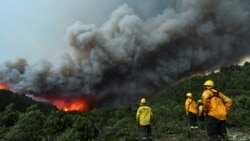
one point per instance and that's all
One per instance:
(4, 86)
(71, 104)
(67, 104)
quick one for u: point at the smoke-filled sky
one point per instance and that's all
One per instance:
(117, 50)
(35, 30)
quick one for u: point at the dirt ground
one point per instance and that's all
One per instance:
(235, 134)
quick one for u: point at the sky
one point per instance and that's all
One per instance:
(35, 29)
(117, 50)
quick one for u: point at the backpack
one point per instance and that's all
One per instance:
(215, 94)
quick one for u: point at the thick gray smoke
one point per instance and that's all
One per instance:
(129, 56)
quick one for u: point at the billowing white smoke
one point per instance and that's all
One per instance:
(129, 57)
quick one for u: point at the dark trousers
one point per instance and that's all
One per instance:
(146, 134)
(216, 129)
(201, 121)
(192, 120)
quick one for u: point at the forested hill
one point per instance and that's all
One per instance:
(234, 81)
(21, 102)
(31, 123)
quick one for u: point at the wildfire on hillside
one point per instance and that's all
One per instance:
(126, 58)
(4, 86)
(67, 104)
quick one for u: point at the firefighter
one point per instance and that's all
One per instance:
(191, 111)
(201, 114)
(216, 105)
(144, 117)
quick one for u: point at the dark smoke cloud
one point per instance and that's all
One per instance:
(129, 56)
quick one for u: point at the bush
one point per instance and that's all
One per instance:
(29, 126)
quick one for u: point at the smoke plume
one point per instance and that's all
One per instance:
(129, 56)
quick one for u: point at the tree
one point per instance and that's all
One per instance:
(9, 116)
(29, 126)
(57, 122)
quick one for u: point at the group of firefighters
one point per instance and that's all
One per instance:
(210, 110)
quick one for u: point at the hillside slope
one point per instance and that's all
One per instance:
(21, 102)
(103, 124)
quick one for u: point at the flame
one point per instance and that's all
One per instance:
(4, 86)
(67, 104)
(71, 104)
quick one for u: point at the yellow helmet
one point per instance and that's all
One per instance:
(189, 94)
(209, 83)
(143, 101)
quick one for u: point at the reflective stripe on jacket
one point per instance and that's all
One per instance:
(144, 115)
(191, 106)
(216, 106)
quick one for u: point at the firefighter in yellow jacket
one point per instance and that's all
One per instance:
(216, 105)
(191, 111)
(144, 117)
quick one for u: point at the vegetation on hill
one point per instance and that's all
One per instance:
(21, 102)
(21, 119)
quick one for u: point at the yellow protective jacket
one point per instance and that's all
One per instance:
(216, 106)
(190, 105)
(144, 115)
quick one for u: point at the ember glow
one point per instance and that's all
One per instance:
(4, 86)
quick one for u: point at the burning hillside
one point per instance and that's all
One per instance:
(127, 57)
(67, 104)
(4, 86)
